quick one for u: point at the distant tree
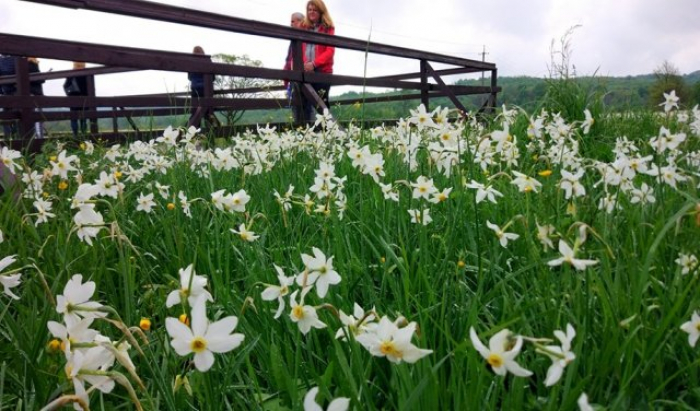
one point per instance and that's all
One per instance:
(667, 77)
(233, 83)
(695, 94)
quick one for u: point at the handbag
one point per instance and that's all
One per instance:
(71, 87)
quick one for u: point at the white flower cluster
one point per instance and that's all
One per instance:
(385, 338)
(194, 333)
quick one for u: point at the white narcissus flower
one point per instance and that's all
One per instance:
(108, 185)
(83, 194)
(588, 122)
(8, 157)
(9, 281)
(692, 327)
(278, 292)
(75, 302)
(525, 183)
(394, 343)
(543, 235)
(79, 332)
(63, 165)
(304, 315)
(671, 101)
(245, 234)
(88, 223)
(423, 188)
(389, 192)
(421, 118)
(484, 192)
(239, 200)
(571, 185)
(319, 271)
(568, 256)
(218, 198)
(356, 324)
(191, 287)
(501, 360)
(420, 216)
(561, 355)
(145, 203)
(163, 190)
(688, 262)
(338, 404)
(583, 404)
(502, 236)
(169, 137)
(204, 338)
(184, 203)
(439, 197)
(91, 360)
(43, 211)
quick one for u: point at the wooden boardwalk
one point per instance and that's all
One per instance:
(424, 83)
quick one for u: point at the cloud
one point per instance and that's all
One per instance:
(616, 37)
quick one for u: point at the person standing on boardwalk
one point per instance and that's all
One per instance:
(197, 90)
(7, 68)
(317, 57)
(77, 86)
(296, 22)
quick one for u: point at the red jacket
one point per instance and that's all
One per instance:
(324, 54)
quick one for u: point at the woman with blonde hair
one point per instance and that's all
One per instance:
(319, 57)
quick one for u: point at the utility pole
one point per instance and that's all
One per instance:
(483, 59)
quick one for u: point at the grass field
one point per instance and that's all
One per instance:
(425, 265)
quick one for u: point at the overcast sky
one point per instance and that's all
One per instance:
(615, 37)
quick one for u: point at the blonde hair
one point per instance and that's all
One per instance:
(33, 60)
(322, 10)
(78, 65)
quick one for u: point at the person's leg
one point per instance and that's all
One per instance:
(194, 105)
(298, 105)
(7, 129)
(74, 127)
(322, 89)
(74, 122)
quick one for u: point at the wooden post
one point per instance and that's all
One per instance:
(297, 99)
(494, 84)
(424, 98)
(94, 129)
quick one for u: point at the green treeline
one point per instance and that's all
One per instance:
(618, 94)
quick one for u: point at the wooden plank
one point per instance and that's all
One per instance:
(61, 74)
(443, 87)
(174, 14)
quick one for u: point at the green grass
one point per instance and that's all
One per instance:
(447, 276)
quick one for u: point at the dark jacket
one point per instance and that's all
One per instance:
(196, 83)
(7, 68)
(82, 85)
(36, 87)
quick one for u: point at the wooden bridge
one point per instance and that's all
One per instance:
(424, 83)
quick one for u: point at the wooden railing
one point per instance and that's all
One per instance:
(426, 82)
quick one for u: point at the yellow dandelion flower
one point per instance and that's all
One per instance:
(145, 324)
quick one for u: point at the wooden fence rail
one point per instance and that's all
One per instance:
(26, 109)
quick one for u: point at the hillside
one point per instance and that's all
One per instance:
(619, 93)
